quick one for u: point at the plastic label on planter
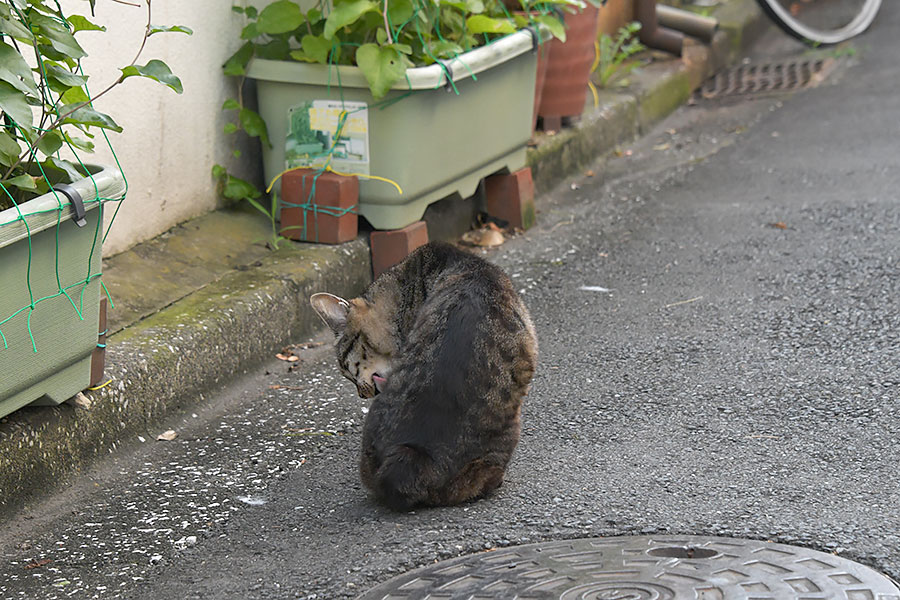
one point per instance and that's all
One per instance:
(330, 132)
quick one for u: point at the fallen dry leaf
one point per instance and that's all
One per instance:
(589, 173)
(167, 436)
(38, 563)
(779, 225)
(485, 237)
(287, 357)
(660, 147)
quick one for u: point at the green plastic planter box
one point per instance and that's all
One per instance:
(63, 256)
(431, 141)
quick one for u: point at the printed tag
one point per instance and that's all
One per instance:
(321, 129)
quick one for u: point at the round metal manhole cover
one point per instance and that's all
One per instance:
(642, 568)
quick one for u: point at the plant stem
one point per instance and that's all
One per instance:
(387, 26)
(57, 123)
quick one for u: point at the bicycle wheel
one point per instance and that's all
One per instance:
(822, 22)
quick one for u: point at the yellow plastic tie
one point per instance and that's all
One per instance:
(329, 169)
(100, 387)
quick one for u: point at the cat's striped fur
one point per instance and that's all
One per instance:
(447, 350)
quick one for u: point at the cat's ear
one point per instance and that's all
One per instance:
(332, 309)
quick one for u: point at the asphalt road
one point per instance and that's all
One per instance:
(740, 377)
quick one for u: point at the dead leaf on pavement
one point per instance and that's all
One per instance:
(287, 357)
(38, 563)
(167, 436)
(779, 225)
(485, 237)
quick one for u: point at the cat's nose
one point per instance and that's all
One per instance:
(379, 382)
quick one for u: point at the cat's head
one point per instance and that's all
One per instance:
(364, 342)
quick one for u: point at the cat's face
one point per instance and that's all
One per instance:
(364, 345)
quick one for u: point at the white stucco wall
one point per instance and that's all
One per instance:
(170, 141)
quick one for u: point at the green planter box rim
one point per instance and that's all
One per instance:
(433, 76)
(43, 212)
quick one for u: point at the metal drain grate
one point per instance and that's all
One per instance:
(641, 568)
(767, 78)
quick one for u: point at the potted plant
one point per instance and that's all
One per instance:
(569, 68)
(420, 100)
(51, 202)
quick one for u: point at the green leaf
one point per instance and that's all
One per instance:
(251, 12)
(60, 39)
(80, 23)
(13, 28)
(236, 153)
(79, 143)
(382, 67)
(23, 182)
(557, 28)
(317, 48)
(153, 29)
(230, 127)
(400, 11)
(50, 143)
(156, 70)
(89, 117)
(218, 171)
(238, 61)
(254, 125)
(74, 95)
(314, 16)
(347, 13)
(66, 77)
(475, 6)
(401, 48)
(484, 24)
(275, 50)
(13, 103)
(14, 70)
(444, 49)
(280, 17)
(63, 165)
(9, 149)
(249, 32)
(238, 189)
(231, 104)
(256, 205)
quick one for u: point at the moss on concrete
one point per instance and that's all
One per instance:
(170, 359)
(612, 123)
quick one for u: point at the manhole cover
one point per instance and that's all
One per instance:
(767, 78)
(642, 568)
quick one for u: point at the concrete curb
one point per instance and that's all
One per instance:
(168, 360)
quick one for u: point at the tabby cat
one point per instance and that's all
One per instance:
(447, 350)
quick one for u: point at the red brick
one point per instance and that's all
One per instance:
(391, 247)
(331, 191)
(510, 198)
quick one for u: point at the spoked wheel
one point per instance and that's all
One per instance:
(822, 22)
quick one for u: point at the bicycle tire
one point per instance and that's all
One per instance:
(816, 36)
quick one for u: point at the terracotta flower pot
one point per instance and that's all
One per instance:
(614, 15)
(568, 69)
(543, 62)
